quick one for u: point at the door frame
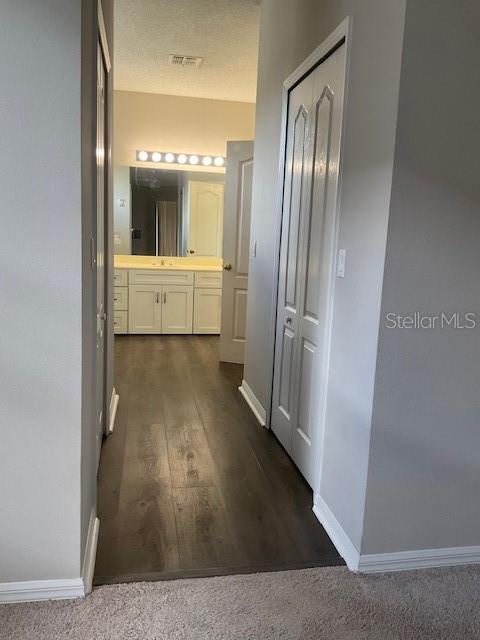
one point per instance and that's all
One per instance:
(341, 35)
(108, 256)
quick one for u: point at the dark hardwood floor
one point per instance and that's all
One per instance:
(189, 483)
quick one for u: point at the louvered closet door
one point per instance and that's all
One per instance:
(307, 258)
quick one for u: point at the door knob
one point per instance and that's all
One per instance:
(227, 266)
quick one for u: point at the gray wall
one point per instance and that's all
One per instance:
(423, 479)
(122, 216)
(289, 31)
(40, 290)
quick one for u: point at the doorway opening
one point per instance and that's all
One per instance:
(189, 483)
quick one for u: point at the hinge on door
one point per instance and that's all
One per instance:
(93, 257)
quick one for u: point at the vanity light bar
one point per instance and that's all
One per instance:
(180, 158)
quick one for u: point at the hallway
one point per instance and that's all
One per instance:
(189, 483)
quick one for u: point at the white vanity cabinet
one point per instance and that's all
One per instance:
(177, 309)
(207, 302)
(161, 301)
(120, 301)
(144, 310)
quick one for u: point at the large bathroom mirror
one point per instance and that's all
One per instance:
(162, 212)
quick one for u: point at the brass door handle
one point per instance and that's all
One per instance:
(227, 266)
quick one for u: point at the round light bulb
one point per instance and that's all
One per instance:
(156, 157)
(218, 162)
(143, 156)
(182, 158)
(207, 161)
(193, 159)
(169, 157)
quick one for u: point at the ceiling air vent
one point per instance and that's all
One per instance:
(178, 60)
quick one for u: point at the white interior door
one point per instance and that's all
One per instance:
(205, 229)
(236, 249)
(100, 252)
(307, 257)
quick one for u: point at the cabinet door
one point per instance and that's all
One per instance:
(207, 310)
(120, 322)
(177, 309)
(144, 309)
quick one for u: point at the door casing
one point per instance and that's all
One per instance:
(105, 60)
(341, 35)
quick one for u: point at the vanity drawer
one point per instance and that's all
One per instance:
(120, 277)
(208, 279)
(120, 298)
(120, 321)
(144, 276)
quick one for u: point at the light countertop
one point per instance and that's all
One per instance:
(168, 263)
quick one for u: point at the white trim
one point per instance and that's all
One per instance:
(336, 533)
(90, 555)
(398, 561)
(41, 590)
(343, 31)
(330, 42)
(112, 412)
(102, 34)
(253, 403)
(64, 588)
(419, 559)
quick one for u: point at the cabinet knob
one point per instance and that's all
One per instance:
(227, 266)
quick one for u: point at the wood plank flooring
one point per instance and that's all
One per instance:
(189, 483)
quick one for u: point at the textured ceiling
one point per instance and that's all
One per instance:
(223, 32)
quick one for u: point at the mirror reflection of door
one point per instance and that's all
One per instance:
(205, 229)
(173, 212)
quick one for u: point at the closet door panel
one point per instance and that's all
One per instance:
(295, 190)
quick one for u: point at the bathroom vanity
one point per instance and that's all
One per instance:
(170, 295)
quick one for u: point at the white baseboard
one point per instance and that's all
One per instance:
(112, 411)
(253, 402)
(420, 559)
(41, 590)
(398, 561)
(336, 533)
(90, 555)
(62, 589)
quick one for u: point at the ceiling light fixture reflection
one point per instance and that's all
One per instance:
(191, 159)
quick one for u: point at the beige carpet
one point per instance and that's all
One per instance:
(324, 603)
